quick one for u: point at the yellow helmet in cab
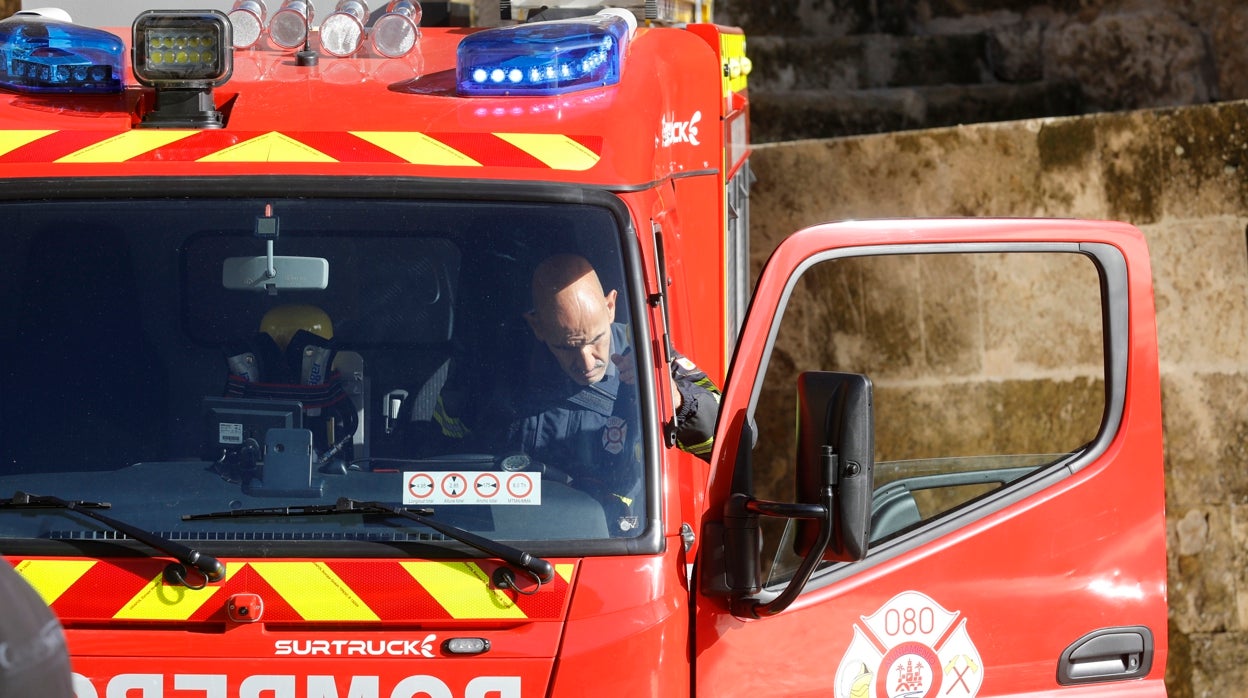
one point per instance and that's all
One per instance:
(281, 323)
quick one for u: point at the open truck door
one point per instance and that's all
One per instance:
(983, 512)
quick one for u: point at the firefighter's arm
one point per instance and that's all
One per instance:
(697, 407)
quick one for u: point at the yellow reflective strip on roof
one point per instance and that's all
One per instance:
(565, 572)
(556, 151)
(314, 591)
(160, 601)
(12, 140)
(126, 145)
(463, 589)
(269, 147)
(416, 148)
(52, 577)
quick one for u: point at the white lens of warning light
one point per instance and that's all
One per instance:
(395, 33)
(467, 645)
(289, 27)
(247, 18)
(342, 31)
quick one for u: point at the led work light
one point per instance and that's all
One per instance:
(183, 54)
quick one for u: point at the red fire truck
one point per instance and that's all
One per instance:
(263, 265)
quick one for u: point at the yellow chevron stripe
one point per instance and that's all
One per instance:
(565, 572)
(463, 589)
(160, 601)
(417, 148)
(556, 151)
(126, 145)
(12, 140)
(314, 591)
(270, 147)
(52, 577)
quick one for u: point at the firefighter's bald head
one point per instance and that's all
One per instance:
(572, 316)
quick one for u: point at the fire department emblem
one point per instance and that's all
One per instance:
(613, 435)
(910, 648)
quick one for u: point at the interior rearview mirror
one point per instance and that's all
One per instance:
(276, 273)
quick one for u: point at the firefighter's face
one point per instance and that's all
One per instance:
(577, 329)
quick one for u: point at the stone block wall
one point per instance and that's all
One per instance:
(1179, 175)
(826, 68)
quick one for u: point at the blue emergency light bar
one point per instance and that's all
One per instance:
(39, 54)
(545, 58)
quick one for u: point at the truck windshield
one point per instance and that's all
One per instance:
(171, 358)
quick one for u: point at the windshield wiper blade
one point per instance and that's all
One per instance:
(212, 569)
(541, 569)
(343, 506)
(23, 500)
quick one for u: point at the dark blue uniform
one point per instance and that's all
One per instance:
(586, 435)
(590, 433)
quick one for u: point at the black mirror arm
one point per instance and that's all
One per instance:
(748, 607)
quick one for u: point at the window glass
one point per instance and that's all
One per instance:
(161, 360)
(985, 367)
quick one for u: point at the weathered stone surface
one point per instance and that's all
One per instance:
(798, 18)
(803, 114)
(865, 61)
(1015, 51)
(1230, 26)
(1202, 594)
(1121, 55)
(1132, 60)
(1201, 283)
(1206, 437)
(1219, 664)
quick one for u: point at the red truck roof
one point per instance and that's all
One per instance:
(381, 117)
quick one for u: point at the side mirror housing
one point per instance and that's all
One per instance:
(836, 450)
(835, 476)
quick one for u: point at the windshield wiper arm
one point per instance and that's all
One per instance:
(541, 569)
(212, 569)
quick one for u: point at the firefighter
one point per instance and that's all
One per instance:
(575, 319)
(573, 413)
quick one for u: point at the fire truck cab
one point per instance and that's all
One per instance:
(268, 284)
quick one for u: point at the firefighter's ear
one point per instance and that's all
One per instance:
(610, 299)
(535, 324)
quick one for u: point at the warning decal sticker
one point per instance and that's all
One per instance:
(464, 487)
(910, 648)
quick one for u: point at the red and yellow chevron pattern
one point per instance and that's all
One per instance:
(296, 591)
(529, 150)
